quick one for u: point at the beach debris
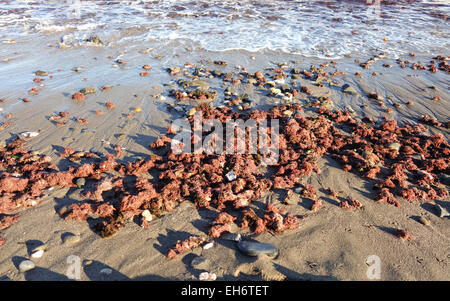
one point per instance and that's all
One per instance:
(349, 89)
(206, 276)
(231, 236)
(26, 265)
(70, 238)
(94, 40)
(254, 248)
(403, 234)
(78, 96)
(185, 245)
(231, 176)
(29, 134)
(41, 73)
(316, 205)
(7, 220)
(38, 254)
(89, 90)
(82, 121)
(351, 203)
(209, 245)
(80, 182)
(442, 211)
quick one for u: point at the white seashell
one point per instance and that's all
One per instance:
(38, 254)
(208, 246)
(29, 134)
(147, 215)
(203, 276)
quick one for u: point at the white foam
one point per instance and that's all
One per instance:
(311, 28)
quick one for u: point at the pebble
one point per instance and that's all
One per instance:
(41, 73)
(231, 176)
(231, 236)
(88, 90)
(26, 265)
(38, 254)
(423, 220)
(288, 113)
(147, 215)
(395, 146)
(252, 248)
(349, 89)
(70, 238)
(208, 246)
(205, 276)
(29, 134)
(192, 111)
(199, 263)
(81, 182)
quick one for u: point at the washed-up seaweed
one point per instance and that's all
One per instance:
(408, 171)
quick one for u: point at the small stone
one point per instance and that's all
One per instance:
(38, 254)
(423, 220)
(251, 248)
(26, 265)
(147, 215)
(442, 211)
(80, 182)
(199, 263)
(231, 176)
(205, 276)
(349, 89)
(275, 91)
(41, 73)
(288, 113)
(70, 238)
(88, 91)
(231, 236)
(192, 111)
(208, 246)
(94, 40)
(395, 146)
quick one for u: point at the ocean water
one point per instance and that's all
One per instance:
(324, 29)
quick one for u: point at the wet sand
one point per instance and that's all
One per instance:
(331, 244)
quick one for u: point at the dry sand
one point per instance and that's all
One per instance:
(331, 244)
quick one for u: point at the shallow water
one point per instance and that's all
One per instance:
(310, 28)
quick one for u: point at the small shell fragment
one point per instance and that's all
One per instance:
(29, 134)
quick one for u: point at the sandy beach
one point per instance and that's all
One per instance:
(331, 243)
